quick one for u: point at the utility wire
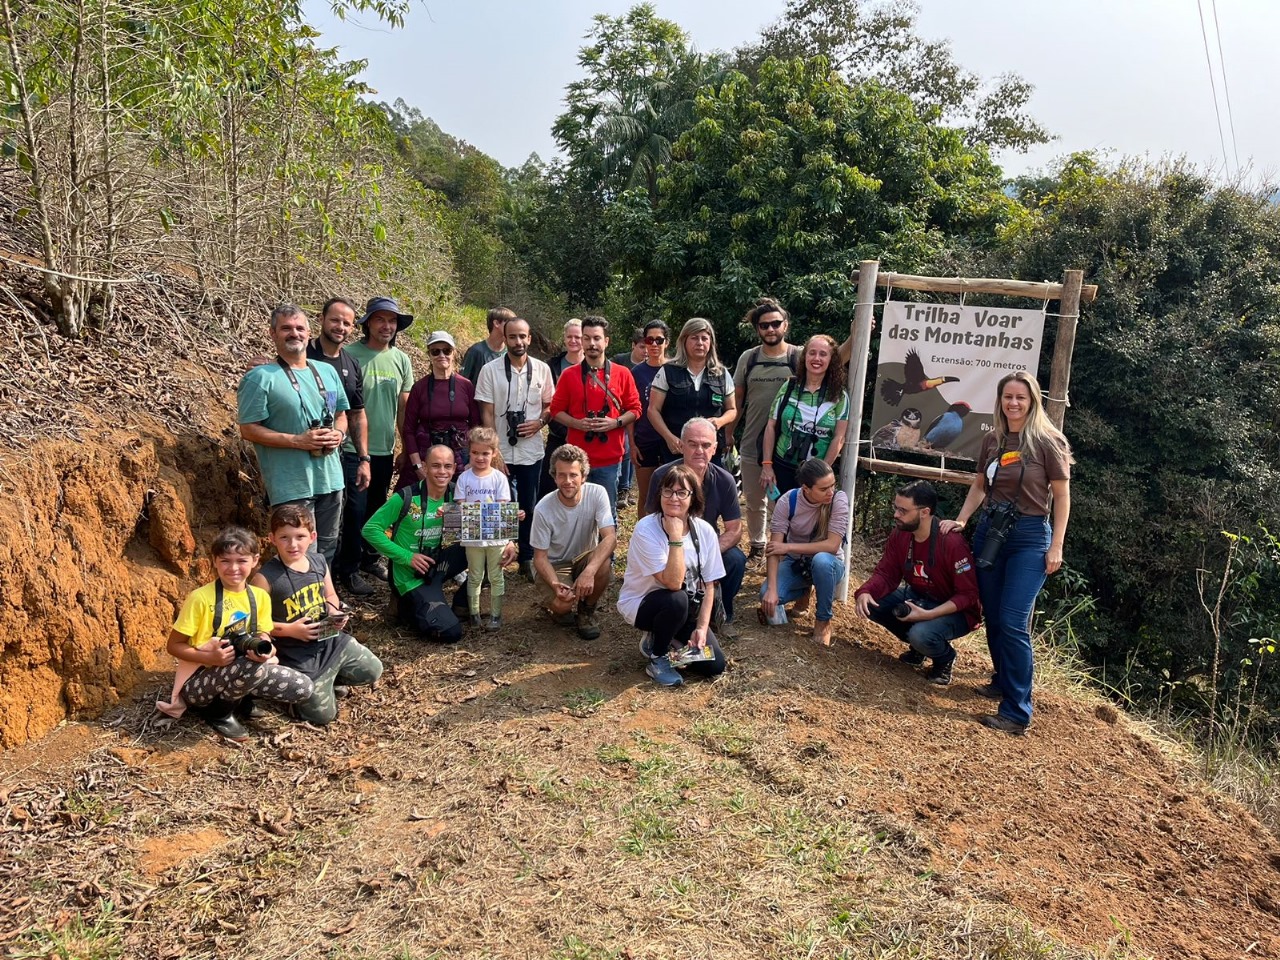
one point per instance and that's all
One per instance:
(1226, 93)
(1226, 164)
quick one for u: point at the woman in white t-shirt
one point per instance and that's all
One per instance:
(668, 590)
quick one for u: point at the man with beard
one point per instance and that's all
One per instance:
(925, 582)
(514, 393)
(595, 401)
(337, 321)
(720, 497)
(293, 411)
(388, 377)
(761, 370)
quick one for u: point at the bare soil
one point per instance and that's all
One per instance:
(529, 794)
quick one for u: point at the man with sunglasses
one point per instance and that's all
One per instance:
(596, 401)
(514, 393)
(761, 370)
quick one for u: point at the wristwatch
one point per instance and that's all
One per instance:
(365, 458)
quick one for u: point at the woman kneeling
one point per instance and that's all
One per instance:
(669, 588)
(809, 525)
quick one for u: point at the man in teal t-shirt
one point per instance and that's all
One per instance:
(293, 411)
(388, 376)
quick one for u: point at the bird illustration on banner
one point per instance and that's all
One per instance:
(946, 427)
(915, 380)
(900, 434)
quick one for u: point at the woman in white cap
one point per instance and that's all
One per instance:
(442, 409)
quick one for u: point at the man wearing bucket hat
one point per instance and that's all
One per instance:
(388, 376)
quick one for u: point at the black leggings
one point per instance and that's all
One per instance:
(424, 608)
(665, 613)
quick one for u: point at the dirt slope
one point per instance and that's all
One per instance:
(529, 795)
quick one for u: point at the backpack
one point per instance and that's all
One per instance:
(793, 359)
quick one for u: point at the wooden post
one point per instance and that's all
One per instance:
(1064, 346)
(863, 315)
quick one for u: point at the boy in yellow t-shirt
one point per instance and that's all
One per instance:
(213, 675)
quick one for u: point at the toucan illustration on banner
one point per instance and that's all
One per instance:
(916, 381)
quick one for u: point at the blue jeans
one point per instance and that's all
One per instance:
(825, 575)
(1009, 590)
(607, 477)
(627, 470)
(735, 568)
(929, 637)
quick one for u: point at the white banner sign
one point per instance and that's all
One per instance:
(938, 371)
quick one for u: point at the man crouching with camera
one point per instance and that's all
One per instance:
(924, 589)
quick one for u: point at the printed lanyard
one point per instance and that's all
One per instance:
(218, 626)
(910, 563)
(609, 395)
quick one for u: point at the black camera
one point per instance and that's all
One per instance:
(514, 419)
(901, 610)
(1001, 518)
(243, 642)
(590, 435)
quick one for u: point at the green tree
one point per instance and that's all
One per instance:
(868, 40)
(785, 182)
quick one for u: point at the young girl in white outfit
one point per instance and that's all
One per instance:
(481, 482)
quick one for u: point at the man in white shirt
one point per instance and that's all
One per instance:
(514, 393)
(573, 537)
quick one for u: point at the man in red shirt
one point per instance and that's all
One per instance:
(928, 577)
(596, 400)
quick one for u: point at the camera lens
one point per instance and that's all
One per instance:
(901, 610)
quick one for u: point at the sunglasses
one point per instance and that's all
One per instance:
(771, 324)
(442, 352)
(656, 341)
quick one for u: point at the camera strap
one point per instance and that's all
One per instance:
(218, 596)
(297, 387)
(609, 395)
(431, 386)
(909, 564)
(524, 396)
(697, 557)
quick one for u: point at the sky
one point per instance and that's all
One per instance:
(1127, 78)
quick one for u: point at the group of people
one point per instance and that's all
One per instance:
(325, 417)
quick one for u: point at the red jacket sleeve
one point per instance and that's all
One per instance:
(964, 574)
(888, 573)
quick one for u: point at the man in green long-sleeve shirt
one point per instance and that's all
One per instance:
(419, 567)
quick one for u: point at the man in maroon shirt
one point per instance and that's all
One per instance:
(928, 578)
(596, 401)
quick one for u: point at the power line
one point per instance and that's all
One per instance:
(1214, 87)
(1226, 93)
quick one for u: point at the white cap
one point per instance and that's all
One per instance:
(441, 336)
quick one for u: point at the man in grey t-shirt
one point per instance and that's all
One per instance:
(489, 349)
(573, 538)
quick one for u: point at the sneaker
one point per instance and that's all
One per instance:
(341, 691)
(527, 571)
(356, 585)
(495, 623)
(375, 568)
(940, 673)
(990, 691)
(646, 644)
(476, 622)
(1004, 725)
(663, 673)
(911, 657)
(232, 729)
(588, 626)
(461, 578)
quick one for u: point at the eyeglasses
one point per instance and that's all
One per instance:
(771, 324)
(442, 352)
(676, 493)
(655, 341)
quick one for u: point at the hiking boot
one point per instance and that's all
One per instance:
(228, 727)
(663, 673)
(990, 691)
(911, 657)
(569, 619)
(940, 673)
(756, 555)
(476, 622)
(375, 568)
(495, 623)
(1004, 725)
(646, 644)
(727, 631)
(356, 585)
(527, 571)
(588, 626)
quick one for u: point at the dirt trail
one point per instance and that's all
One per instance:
(529, 794)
